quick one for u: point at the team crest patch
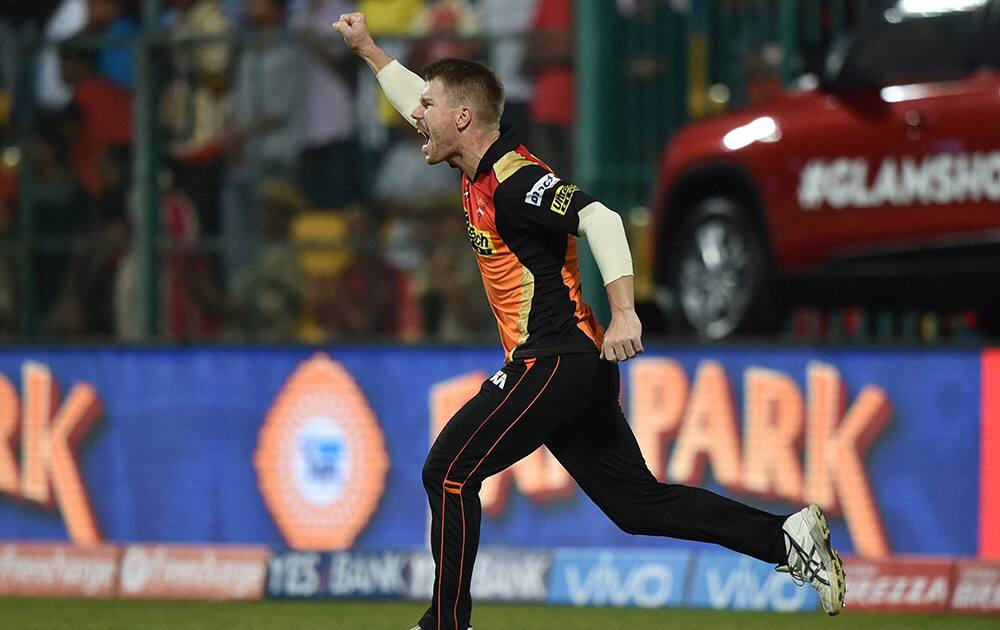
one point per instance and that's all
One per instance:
(564, 195)
(321, 460)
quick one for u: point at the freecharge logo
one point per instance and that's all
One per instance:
(321, 460)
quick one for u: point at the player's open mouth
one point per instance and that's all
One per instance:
(427, 139)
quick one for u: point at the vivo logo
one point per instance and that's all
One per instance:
(646, 579)
(749, 585)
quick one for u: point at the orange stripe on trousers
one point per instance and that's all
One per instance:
(506, 431)
(530, 364)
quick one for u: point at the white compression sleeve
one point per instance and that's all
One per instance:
(605, 233)
(402, 87)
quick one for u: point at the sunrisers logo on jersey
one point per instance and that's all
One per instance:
(321, 460)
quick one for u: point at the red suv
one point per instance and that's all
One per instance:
(878, 187)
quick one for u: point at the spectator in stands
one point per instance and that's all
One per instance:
(263, 135)
(506, 22)
(550, 61)
(266, 297)
(86, 303)
(444, 22)
(100, 113)
(264, 301)
(9, 61)
(426, 240)
(182, 317)
(68, 19)
(409, 198)
(235, 10)
(60, 214)
(366, 298)
(330, 175)
(196, 104)
(386, 19)
(453, 304)
(113, 19)
(8, 200)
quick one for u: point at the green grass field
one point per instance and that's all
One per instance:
(54, 614)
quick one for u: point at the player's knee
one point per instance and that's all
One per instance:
(433, 472)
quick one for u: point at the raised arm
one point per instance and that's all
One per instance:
(401, 86)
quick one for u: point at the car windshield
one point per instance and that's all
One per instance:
(908, 41)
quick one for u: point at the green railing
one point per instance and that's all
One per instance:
(644, 73)
(646, 70)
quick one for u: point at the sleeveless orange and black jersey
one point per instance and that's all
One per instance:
(522, 220)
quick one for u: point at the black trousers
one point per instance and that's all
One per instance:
(569, 403)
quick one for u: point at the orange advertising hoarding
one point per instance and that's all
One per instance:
(58, 570)
(193, 572)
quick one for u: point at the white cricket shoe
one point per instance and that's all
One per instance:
(812, 559)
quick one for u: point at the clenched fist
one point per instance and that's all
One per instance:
(623, 340)
(354, 29)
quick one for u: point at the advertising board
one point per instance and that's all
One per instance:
(322, 451)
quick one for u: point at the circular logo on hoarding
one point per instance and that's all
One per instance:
(321, 460)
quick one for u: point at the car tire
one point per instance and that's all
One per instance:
(719, 272)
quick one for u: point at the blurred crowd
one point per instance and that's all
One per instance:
(295, 204)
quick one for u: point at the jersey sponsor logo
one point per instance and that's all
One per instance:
(49, 474)
(481, 240)
(534, 196)
(321, 460)
(934, 180)
(499, 379)
(564, 195)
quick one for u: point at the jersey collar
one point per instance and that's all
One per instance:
(507, 142)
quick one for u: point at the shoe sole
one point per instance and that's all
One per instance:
(835, 570)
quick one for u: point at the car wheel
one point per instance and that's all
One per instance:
(719, 272)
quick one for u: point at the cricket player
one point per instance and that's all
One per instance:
(560, 383)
